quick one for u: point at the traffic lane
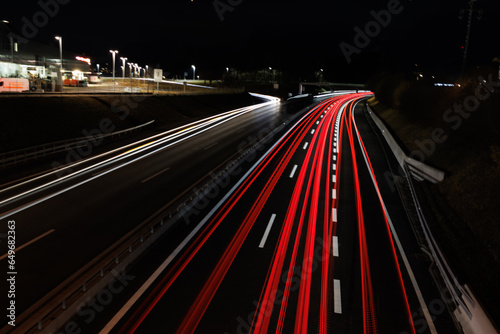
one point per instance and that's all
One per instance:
(385, 166)
(390, 298)
(381, 266)
(35, 173)
(187, 132)
(363, 265)
(180, 296)
(162, 250)
(233, 308)
(99, 226)
(347, 266)
(96, 220)
(238, 138)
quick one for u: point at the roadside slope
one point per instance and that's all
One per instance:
(461, 138)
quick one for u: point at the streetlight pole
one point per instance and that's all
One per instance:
(124, 59)
(130, 65)
(59, 75)
(113, 52)
(194, 71)
(146, 76)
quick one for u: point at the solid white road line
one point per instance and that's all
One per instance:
(335, 246)
(293, 171)
(268, 229)
(305, 145)
(152, 177)
(334, 215)
(28, 243)
(337, 298)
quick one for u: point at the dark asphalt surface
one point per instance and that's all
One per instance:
(92, 216)
(233, 306)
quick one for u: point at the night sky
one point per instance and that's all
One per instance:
(297, 37)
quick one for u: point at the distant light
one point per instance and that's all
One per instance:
(58, 38)
(5, 21)
(439, 84)
(85, 60)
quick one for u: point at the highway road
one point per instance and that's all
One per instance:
(309, 237)
(67, 217)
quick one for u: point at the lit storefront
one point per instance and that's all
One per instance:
(37, 62)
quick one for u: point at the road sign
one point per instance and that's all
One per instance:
(158, 75)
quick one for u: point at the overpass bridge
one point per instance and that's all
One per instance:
(332, 85)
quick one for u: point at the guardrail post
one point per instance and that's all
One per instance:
(152, 230)
(102, 272)
(64, 304)
(84, 288)
(40, 327)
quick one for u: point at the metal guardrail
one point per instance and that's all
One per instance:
(57, 308)
(468, 312)
(41, 151)
(419, 170)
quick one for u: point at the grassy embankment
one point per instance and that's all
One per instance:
(465, 207)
